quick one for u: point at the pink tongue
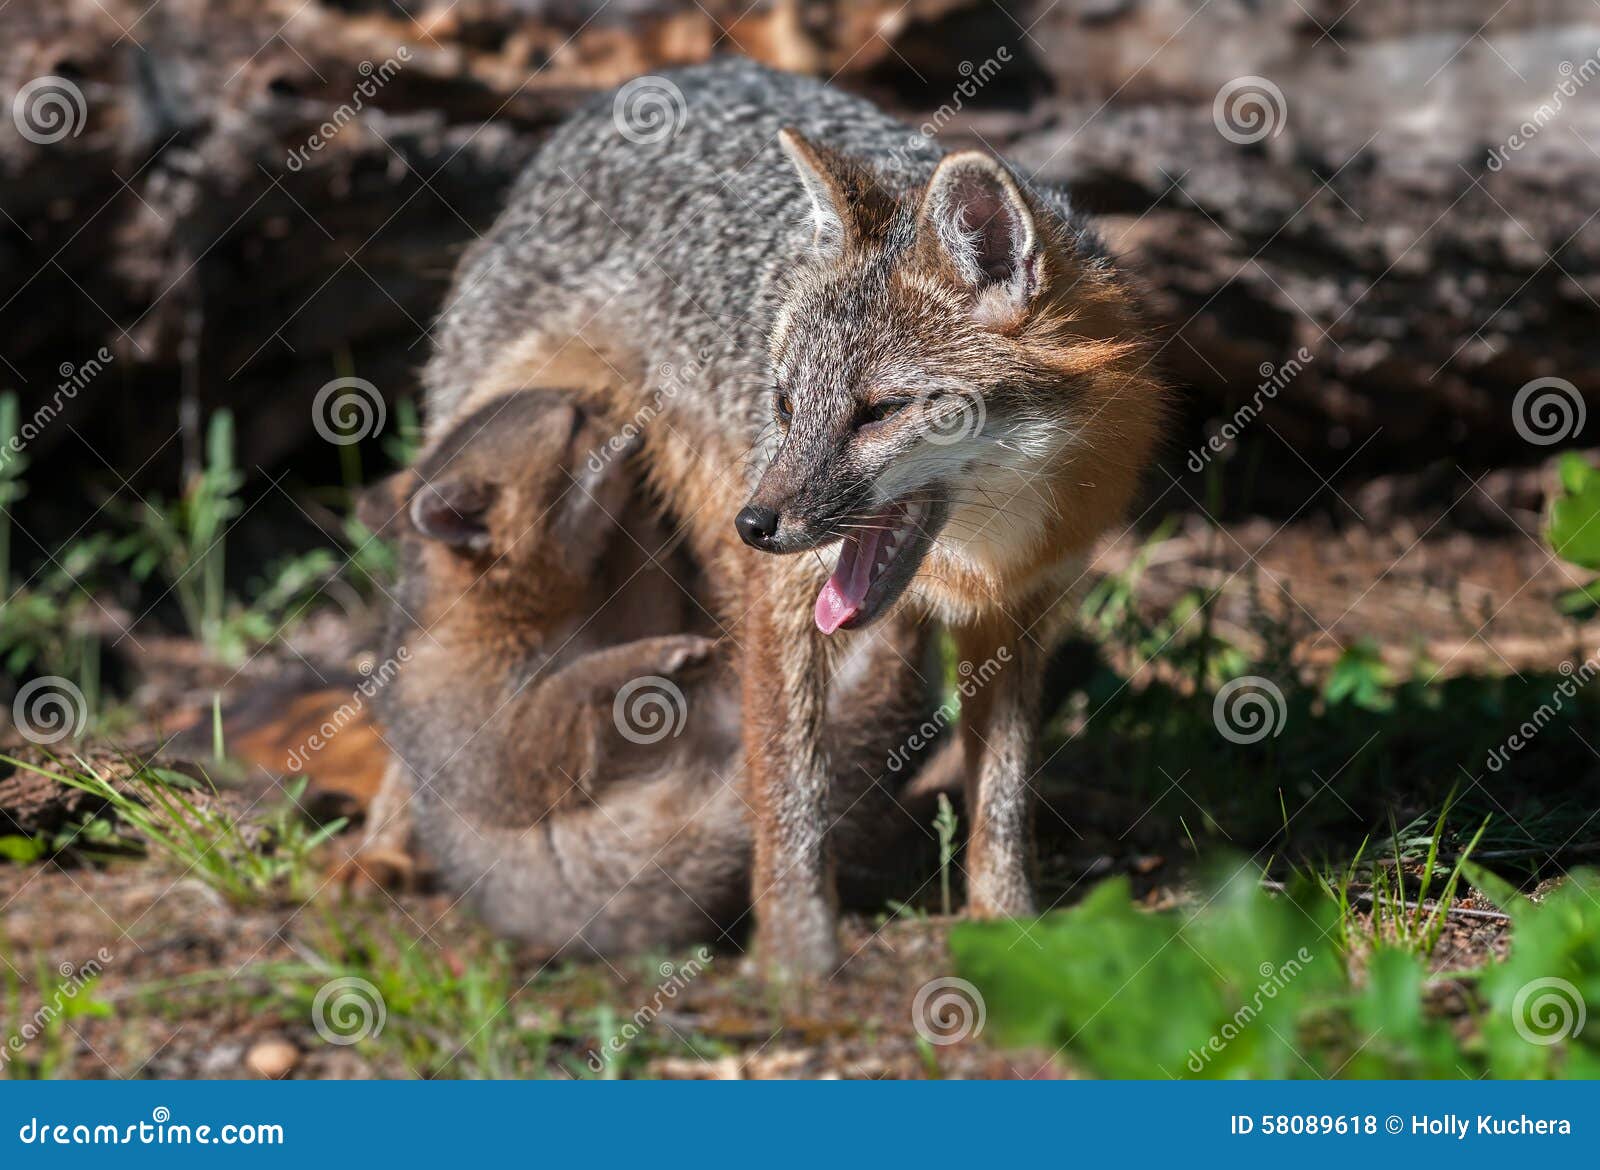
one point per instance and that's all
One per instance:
(841, 598)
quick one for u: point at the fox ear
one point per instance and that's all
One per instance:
(830, 208)
(974, 215)
(595, 498)
(382, 503)
(455, 512)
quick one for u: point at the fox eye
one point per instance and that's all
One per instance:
(784, 407)
(881, 411)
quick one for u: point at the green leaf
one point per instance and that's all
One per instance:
(1540, 1000)
(1581, 602)
(1393, 1036)
(1129, 993)
(1360, 679)
(1575, 472)
(1574, 524)
(23, 850)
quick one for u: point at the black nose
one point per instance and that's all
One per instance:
(757, 526)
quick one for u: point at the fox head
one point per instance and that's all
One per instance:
(510, 513)
(958, 381)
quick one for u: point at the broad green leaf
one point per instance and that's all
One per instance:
(1574, 525)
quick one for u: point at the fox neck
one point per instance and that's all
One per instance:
(1024, 522)
(1002, 532)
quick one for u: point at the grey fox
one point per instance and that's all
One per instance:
(840, 334)
(575, 764)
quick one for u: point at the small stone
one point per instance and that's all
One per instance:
(272, 1059)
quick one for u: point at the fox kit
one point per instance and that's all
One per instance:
(572, 750)
(852, 339)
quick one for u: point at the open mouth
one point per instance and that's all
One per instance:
(877, 559)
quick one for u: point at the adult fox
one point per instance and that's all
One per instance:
(830, 331)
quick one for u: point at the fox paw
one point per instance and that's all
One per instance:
(685, 653)
(376, 868)
(797, 944)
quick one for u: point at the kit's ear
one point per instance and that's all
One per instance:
(601, 481)
(454, 510)
(384, 503)
(975, 218)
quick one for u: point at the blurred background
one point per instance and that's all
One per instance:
(1380, 215)
(236, 202)
(1366, 236)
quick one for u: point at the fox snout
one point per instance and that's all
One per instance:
(800, 502)
(783, 526)
(758, 526)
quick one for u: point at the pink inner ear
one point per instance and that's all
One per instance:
(987, 213)
(453, 512)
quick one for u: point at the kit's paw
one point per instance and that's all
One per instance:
(376, 868)
(685, 654)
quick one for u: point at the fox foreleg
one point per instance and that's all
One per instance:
(1003, 668)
